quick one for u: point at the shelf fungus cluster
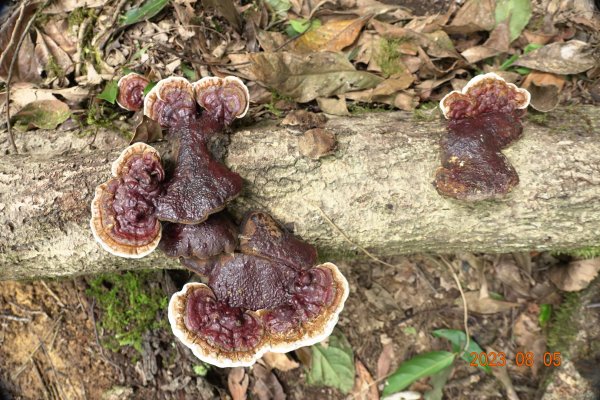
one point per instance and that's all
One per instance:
(483, 118)
(263, 291)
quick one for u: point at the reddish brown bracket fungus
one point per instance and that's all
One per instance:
(200, 185)
(123, 219)
(484, 118)
(217, 235)
(223, 98)
(131, 91)
(269, 300)
(171, 102)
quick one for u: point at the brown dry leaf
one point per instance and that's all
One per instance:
(386, 358)
(438, 43)
(538, 37)
(146, 130)
(266, 386)
(304, 119)
(226, 9)
(333, 106)
(545, 89)
(576, 276)
(486, 305)
(334, 35)
(272, 41)
(308, 76)
(497, 43)
(316, 143)
(473, 16)
(501, 373)
(566, 58)
(45, 114)
(304, 354)
(426, 87)
(427, 23)
(364, 7)
(26, 67)
(529, 337)
(59, 31)
(509, 274)
(237, 382)
(279, 361)
(364, 385)
(56, 61)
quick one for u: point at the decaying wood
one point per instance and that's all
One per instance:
(376, 188)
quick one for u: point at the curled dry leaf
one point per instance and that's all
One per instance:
(304, 119)
(266, 385)
(565, 58)
(237, 382)
(316, 143)
(27, 67)
(45, 114)
(364, 385)
(486, 305)
(147, 130)
(279, 361)
(333, 106)
(497, 43)
(473, 16)
(65, 6)
(545, 90)
(334, 35)
(529, 337)
(576, 276)
(386, 358)
(304, 77)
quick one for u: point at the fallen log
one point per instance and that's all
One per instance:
(376, 187)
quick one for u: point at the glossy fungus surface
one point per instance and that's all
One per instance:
(200, 185)
(123, 219)
(131, 91)
(223, 98)
(283, 303)
(171, 102)
(218, 234)
(483, 119)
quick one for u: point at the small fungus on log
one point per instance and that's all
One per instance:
(484, 118)
(131, 91)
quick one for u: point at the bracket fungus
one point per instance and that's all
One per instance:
(131, 91)
(123, 219)
(263, 291)
(267, 297)
(483, 118)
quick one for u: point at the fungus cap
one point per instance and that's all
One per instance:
(228, 96)
(123, 219)
(131, 91)
(171, 102)
(482, 94)
(228, 336)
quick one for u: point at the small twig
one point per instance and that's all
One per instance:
(15, 318)
(58, 384)
(593, 305)
(60, 303)
(11, 67)
(464, 299)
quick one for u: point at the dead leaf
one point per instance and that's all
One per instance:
(333, 106)
(334, 35)
(529, 337)
(65, 6)
(388, 92)
(316, 143)
(272, 41)
(280, 361)
(545, 90)
(386, 358)
(497, 43)
(364, 385)
(566, 58)
(237, 382)
(146, 130)
(473, 16)
(44, 114)
(266, 386)
(486, 305)
(576, 276)
(59, 31)
(308, 76)
(304, 354)
(304, 119)
(509, 274)
(501, 373)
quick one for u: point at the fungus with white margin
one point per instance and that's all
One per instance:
(226, 98)
(483, 118)
(131, 91)
(269, 300)
(123, 219)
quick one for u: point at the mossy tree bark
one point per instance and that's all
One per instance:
(377, 188)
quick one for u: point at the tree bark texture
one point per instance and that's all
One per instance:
(376, 187)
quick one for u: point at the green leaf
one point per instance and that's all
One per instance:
(332, 365)
(110, 92)
(280, 7)
(189, 72)
(298, 26)
(519, 12)
(148, 10)
(44, 114)
(437, 382)
(148, 87)
(457, 339)
(545, 313)
(418, 367)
